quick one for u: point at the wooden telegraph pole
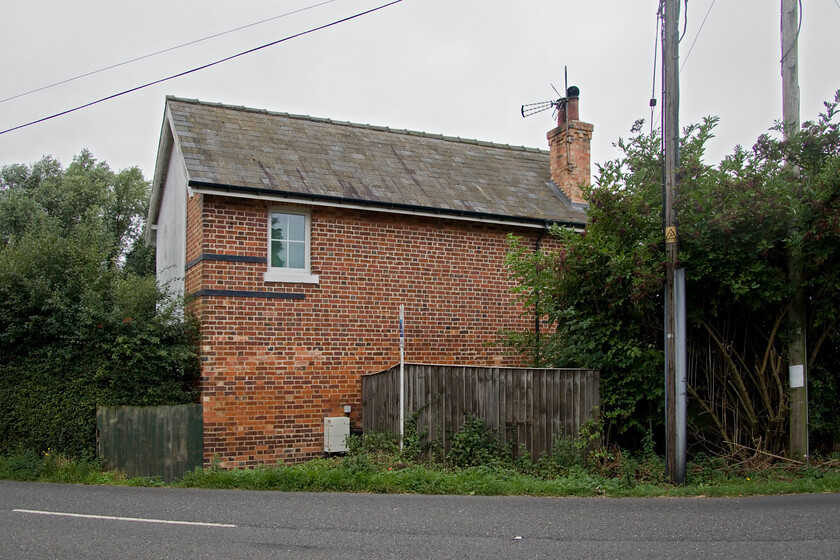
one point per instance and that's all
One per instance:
(675, 352)
(797, 349)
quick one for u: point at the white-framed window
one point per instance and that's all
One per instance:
(288, 246)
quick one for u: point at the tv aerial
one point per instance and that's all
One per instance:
(529, 109)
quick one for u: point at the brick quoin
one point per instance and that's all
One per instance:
(273, 369)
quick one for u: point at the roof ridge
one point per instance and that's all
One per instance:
(405, 132)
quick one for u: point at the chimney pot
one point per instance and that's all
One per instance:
(573, 108)
(569, 107)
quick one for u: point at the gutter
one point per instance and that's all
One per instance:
(206, 187)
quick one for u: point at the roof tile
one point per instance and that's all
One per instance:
(296, 154)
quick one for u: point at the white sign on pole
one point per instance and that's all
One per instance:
(797, 376)
(402, 326)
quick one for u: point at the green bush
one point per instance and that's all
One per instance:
(78, 329)
(742, 221)
(475, 445)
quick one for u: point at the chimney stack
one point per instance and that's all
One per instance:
(569, 145)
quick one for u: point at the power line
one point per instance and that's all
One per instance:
(145, 56)
(205, 66)
(655, 53)
(712, 5)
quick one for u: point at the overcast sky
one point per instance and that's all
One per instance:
(455, 67)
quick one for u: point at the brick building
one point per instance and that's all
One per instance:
(300, 238)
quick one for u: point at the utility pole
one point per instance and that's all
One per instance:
(675, 350)
(797, 349)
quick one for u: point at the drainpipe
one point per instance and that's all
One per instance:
(537, 304)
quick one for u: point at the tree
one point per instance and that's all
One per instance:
(601, 290)
(746, 216)
(79, 327)
(86, 191)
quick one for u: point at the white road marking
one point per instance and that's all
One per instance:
(114, 518)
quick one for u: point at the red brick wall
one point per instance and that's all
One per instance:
(570, 157)
(272, 369)
(195, 240)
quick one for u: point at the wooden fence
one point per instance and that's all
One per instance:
(165, 441)
(526, 407)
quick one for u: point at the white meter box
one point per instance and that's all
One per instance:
(336, 432)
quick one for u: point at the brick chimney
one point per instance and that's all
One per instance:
(569, 145)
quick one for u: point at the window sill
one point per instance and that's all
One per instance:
(291, 277)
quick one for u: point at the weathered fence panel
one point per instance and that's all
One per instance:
(165, 441)
(525, 406)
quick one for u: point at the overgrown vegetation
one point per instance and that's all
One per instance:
(82, 321)
(601, 292)
(375, 464)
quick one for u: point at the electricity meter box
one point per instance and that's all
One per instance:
(336, 432)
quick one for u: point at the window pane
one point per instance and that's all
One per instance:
(288, 244)
(296, 254)
(278, 254)
(279, 226)
(297, 227)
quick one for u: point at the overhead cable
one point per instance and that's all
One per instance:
(655, 53)
(203, 67)
(712, 5)
(169, 49)
(798, 29)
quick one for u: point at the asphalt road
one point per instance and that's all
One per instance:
(136, 523)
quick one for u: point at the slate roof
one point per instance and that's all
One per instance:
(293, 154)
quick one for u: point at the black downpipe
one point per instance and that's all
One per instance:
(537, 305)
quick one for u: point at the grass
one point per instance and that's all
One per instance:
(363, 473)
(387, 471)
